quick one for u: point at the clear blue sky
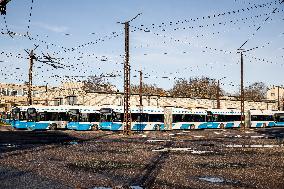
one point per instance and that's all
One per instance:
(178, 45)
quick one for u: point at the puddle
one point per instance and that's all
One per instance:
(217, 133)
(253, 146)
(71, 143)
(171, 149)
(200, 152)
(142, 135)
(212, 179)
(180, 133)
(119, 187)
(198, 136)
(248, 132)
(238, 136)
(221, 165)
(257, 136)
(220, 180)
(98, 166)
(9, 145)
(158, 140)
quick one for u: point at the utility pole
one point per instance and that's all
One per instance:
(218, 94)
(242, 91)
(278, 98)
(127, 113)
(141, 99)
(32, 57)
(46, 101)
(240, 50)
(140, 88)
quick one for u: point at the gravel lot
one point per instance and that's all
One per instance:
(177, 159)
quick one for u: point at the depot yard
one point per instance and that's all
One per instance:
(176, 159)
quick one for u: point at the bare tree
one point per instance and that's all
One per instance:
(97, 84)
(256, 91)
(148, 89)
(203, 87)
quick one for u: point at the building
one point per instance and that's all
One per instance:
(72, 93)
(276, 93)
(16, 94)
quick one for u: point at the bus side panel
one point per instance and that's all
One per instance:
(19, 124)
(234, 124)
(105, 125)
(113, 126)
(41, 125)
(188, 125)
(81, 126)
(84, 126)
(138, 126)
(259, 124)
(278, 124)
(212, 125)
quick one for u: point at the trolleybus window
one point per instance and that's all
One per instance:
(108, 115)
(156, 117)
(138, 117)
(279, 117)
(32, 115)
(94, 117)
(74, 115)
(16, 113)
(188, 118)
(262, 118)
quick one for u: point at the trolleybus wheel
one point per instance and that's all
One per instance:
(222, 126)
(53, 126)
(94, 127)
(192, 126)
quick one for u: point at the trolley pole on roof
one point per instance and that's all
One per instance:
(127, 113)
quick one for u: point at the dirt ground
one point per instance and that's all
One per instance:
(176, 159)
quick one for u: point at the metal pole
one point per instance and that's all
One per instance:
(140, 99)
(218, 94)
(242, 89)
(140, 88)
(30, 102)
(278, 98)
(127, 115)
(46, 98)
